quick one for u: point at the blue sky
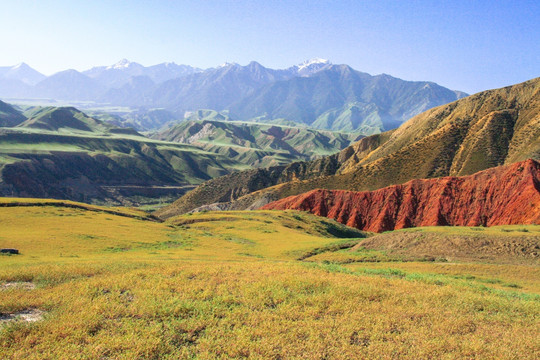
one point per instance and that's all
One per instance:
(464, 45)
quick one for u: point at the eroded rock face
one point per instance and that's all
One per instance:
(503, 195)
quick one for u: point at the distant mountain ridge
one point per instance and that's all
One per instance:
(315, 92)
(21, 72)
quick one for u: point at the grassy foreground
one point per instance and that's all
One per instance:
(231, 285)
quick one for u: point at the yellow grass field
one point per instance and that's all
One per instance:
(119, 285)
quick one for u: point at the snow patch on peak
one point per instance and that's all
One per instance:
(19, 65)
(226, 64)
(122, 64)
(310, 67)
(315, 61)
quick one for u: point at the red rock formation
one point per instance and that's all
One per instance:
(503, 195)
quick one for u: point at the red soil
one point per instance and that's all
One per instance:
(504, 195)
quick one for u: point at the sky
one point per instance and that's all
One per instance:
(464, 45)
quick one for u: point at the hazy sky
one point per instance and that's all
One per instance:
(464, 45)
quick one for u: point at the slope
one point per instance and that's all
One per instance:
(68, 119)
(62, 153)
(257, 144)
(484, 130)
(381, 102)
(9, 116)
(505, 195)
(229, 286)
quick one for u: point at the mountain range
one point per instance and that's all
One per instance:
(315, 93)
(488, 129)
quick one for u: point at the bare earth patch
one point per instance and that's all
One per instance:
(520, 249)
(25, 285)
(29, 315)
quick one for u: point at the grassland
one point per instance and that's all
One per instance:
(231, 285)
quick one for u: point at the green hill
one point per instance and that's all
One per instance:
(487, 129)
(67, 120)
(63, 153)
(257, 144)
(9, 116)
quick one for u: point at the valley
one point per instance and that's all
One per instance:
(63, 153)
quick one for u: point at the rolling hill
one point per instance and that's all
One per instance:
(484, 130)
(63, 153)
(257, 144)
(9, 116)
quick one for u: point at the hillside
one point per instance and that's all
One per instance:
(63, 153)
(257, 144)
(96, 282)
(484, 130)
(9, 116)
(506, 195)
(69, 120)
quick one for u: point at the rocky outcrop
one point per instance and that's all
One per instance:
(503, 195)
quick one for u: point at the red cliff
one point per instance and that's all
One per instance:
(503, 195)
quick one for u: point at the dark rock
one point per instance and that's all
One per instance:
(9, 251)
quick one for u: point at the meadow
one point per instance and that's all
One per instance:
(106, 283)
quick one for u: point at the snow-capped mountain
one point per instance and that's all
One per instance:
(226, 64)
(118, 74)
(21, 72)
(310, 67)
(314, 92)
(125, 65)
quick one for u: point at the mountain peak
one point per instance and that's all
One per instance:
(314, 61)
(311, 66)
(21, 65)
(122, 64)
(227, 64)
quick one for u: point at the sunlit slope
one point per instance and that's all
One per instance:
(230, 285)
(81, 231)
